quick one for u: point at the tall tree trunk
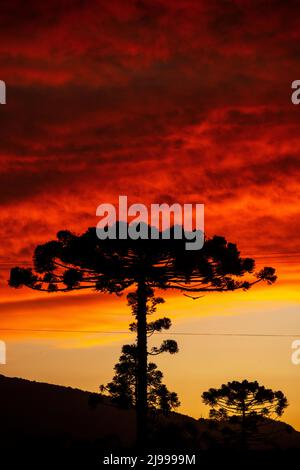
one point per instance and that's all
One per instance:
(141, 405)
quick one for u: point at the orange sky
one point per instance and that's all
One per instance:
(164, 101)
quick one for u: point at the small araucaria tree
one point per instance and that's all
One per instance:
(245, 401)
(122, 390)
(79, 262)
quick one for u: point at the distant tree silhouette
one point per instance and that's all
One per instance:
(246, 401)
(123, 388)
(77, 262)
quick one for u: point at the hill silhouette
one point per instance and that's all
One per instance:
(45, 419)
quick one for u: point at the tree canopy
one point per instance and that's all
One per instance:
(75, 262)
(244, 399)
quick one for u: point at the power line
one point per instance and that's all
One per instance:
(177, 333)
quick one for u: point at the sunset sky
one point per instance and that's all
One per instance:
(184, 101)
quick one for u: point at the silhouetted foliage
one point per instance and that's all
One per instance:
(123, 388)
(244, 399)
(77, 262)
(244, 403)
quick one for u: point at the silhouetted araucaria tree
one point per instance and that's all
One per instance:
(122, 389)
(77, 262)
(246, 401)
